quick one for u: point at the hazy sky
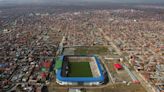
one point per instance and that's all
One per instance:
(114, 1)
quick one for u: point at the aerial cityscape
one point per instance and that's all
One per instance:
(107, 47)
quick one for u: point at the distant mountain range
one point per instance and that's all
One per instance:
(70, 1)
(78, 2)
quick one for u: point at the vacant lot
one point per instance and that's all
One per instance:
(91, 50)
(119, 88)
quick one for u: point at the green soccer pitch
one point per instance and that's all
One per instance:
(80, 69)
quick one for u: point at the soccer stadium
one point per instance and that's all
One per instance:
(79, 70)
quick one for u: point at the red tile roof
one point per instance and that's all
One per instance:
(118, 66)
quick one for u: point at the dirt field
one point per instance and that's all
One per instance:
(91, 50)
(123, 88)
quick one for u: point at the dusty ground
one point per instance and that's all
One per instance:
(109, 88)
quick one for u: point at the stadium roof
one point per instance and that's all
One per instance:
(58, 64)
